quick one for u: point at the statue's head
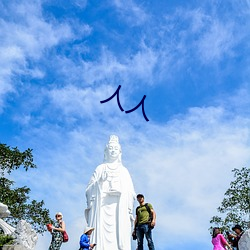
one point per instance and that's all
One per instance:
(113, 150)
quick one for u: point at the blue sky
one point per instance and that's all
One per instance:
(191, 60)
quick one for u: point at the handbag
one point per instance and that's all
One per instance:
(65, 236)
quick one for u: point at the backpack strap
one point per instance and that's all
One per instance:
(148, 208)
(137, 210)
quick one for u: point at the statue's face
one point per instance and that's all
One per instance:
(113, 150)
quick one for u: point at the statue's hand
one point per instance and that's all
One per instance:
(90, 201)
(132, 217)
(90, 204)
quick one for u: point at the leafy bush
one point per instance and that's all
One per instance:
(6, 240)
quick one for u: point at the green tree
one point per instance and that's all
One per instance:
(17, 199)
(235, 207)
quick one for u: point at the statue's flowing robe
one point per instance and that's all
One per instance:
(110, 207)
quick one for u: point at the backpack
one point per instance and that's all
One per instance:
(150, 218)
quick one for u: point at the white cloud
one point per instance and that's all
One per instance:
(143, 63)
(109, 68)
(10, 58)
(104, 69)
(198, 19)
(80, 3)
(131, 12)
(25, 35)
(199, 34)
(240, 101)
(83, 102)
(217, 42)
(31, 33)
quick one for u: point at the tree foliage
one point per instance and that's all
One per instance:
(235, 206)
(17, 199)
(6, 239)
(13, 158)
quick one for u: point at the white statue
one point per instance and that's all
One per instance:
(25, 235)
(244, 242)
(110, 197)
(4, 212)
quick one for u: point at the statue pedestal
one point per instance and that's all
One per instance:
(13, 247)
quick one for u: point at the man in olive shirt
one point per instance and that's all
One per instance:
(142, 224)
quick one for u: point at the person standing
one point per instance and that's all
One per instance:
(85, 239)
(239, 231)
(143, 225)
(218, 240)
(56, 231)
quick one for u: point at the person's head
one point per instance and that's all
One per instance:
(88, 230)
(216, 230)
(237, 229)
(59, 216)
(113, 150)
(140, 198)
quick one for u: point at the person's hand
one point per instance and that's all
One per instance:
(153, 223)
(92, 245)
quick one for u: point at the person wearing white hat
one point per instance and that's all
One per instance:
(56, 231)
(84, 240)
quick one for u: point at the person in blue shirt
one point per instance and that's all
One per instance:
(85, 239)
